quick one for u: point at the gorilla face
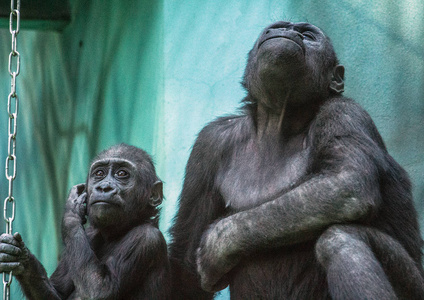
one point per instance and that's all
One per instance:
(290, 57)
(110, 186)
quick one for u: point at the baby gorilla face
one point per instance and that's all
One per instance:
(110, 185)
(123, 189)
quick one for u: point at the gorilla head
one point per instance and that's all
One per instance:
(293, 61)
(122, 185)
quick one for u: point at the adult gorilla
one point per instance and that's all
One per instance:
(296, 197)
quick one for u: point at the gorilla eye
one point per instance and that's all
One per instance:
(99, 173)
(122, 173)
(309, 35)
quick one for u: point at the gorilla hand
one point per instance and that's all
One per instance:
(14, 255)
(76, 204)
(216, 256)
(75, 211)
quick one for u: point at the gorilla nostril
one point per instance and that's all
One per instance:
(106, 187)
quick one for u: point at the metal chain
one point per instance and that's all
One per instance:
(12, 110)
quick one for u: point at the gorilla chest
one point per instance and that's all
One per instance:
(255, 174)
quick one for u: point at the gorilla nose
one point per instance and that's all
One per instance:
(106, 187)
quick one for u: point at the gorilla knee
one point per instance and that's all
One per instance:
(335, 241)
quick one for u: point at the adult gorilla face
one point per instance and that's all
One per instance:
(296, 60)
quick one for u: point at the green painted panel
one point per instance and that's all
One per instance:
(95, 84)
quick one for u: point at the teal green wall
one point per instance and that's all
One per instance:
(153, 73)
(97, 83)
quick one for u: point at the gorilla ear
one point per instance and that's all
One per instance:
(337, 80)
(156, 195)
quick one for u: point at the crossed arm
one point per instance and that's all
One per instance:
(344, 187)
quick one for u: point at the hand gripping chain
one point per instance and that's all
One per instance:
(12, 110)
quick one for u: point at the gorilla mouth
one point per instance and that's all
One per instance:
(281, 37)
(102, 202)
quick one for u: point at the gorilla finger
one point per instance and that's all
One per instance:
(9, 239)
(74, 190)
(18, 237)
(10, 267)
(80, 188)
(4, 257)
(82, 198)
(73, 194)
(19, 270)
(10, 249)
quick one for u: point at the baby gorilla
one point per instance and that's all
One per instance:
(121, 254)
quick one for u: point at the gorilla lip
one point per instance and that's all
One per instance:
(102, 202)
(99, 202)
(280, 37)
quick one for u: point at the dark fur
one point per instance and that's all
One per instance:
(314, 209)
(121, 254)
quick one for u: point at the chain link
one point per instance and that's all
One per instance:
(12, 110)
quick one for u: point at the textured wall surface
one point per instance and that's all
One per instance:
(97, 83)
(153, 73)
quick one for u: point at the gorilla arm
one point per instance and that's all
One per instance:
(16, 257)
(30, 273)
(85, 269)
(200, 204)
(343, 187)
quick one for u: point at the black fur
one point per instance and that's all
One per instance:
(121, 254)
(297, 196)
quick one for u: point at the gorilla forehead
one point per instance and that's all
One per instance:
(130, 153)
(113, 160)
(142, 161)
